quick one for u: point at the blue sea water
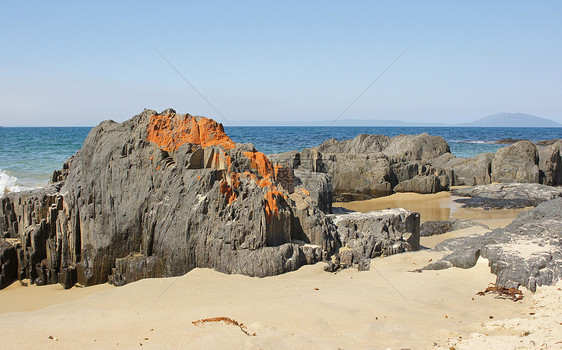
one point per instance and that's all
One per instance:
(28, 156)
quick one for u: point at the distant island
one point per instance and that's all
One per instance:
(503, 120)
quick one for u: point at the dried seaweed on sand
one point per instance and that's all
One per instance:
(226, 320)
(503, 292)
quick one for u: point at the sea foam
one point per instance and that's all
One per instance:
(7, 183)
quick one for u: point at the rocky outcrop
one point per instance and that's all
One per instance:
(550, 164)
(159, 195)
(362, 144)
(8, 263)
(527, 252)
(318, 186)
(472, 171)
(432, 228)
(506, 196)
(516, 163)
(422, 147)
(372, 165)
(358, 176)
(376, 165)
(383, 232)
(424, 184)
(373, 234)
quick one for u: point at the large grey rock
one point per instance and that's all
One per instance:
(318, 186)
(172, 191)
(507, 196)
(372, 165)
(422, 147)
(550, 164)
(516, 163)
(359, 176)
(466, 171)
(377, 233)
(361, 144)
(424, 184)
(527, 252)
(8, 263)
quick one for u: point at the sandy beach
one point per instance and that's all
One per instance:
(387, 307)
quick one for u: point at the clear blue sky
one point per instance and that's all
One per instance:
(68, 63)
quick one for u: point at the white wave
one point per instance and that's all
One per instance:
(474, 142)
(7, 183)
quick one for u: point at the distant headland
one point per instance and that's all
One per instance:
(513, 120)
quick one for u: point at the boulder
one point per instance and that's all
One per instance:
(466, 171)
(384, 232)
(8, 263)
(359, 176)
(526, 253)
(550, 164)
(422, 147)
(361, 144)
(318, 186)
(159, 195)
(371, 165)
(424, 184)
(516, 163)
(547, 142)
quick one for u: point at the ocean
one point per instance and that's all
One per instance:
(28, 156)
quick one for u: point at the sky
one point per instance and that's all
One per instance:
(76, 64)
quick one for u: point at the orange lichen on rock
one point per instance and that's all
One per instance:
(227, 161)
(264, 183)
(271, 205)
(226, 189)
(261, 163)
(170, 131)
(305, 191)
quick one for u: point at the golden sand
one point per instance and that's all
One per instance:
(387, 307)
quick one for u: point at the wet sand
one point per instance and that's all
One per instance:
(438, 206)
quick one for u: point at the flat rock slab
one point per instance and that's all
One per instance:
(432, 228)
(527, 252)
(506, 196)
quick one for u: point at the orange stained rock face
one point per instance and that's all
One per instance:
(271, 205)
(226, 189)
(235, 179)
(261, 163)
(170, 131)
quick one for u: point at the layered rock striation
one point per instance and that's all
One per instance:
(161, 194)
